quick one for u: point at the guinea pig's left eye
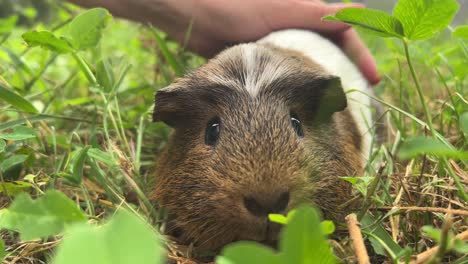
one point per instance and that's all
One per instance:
(296, 124)
(212, 131)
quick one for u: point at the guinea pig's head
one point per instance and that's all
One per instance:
(253, 135)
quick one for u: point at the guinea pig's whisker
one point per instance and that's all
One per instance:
(184, 186)
(220, 233)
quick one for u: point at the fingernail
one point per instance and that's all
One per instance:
(376, 79)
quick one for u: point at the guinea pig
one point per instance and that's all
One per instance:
(259, 129)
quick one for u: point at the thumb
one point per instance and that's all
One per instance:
(308, 15)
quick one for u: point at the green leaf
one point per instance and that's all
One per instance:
(16, 100)
(418, 145)
(247, 252)
(77, 164)
(2, 145)
(277, 218)
(302, 241)
(464, 123)
(460, 246)
(47, 40)
(15, 187)
(302, 234)
(369, 224)
(405, 254)
(46, 216)
(2, 250)
(373, 21)
(85, 30)
(7, 24)
(461, 32)
(105, 75)
(328, 227)
(360, 183)
(281, 219)
(422, 19)
(291, 215)
(12, 161)
(125, 239)
(432, 232)
(19, 133)
(29, 12)
(102, 156)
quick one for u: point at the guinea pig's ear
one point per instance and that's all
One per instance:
(320, 97)
(186, 101)
(173, 105)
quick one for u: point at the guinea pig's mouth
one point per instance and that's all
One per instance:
(268, 234)
(264, 232)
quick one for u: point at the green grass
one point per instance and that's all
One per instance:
(103, 139)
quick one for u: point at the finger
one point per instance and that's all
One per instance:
(308, 15)
(358, 52)
(207, 47)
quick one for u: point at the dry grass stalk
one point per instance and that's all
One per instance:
(354, 228)
(426, 255)
(425, 209)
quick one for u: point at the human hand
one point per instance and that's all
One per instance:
(217, 24)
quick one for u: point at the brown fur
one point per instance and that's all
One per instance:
(258, 154)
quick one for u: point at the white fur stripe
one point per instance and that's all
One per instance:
(257, 77)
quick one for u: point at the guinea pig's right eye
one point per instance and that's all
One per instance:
(296, 124)
(212, 131)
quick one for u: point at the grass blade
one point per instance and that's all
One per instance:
(16, 100)
(170, 58)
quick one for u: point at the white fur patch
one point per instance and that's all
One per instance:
(256, 75)
(330, 57)
(248, 58)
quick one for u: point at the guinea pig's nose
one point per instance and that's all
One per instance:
(263, 207)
